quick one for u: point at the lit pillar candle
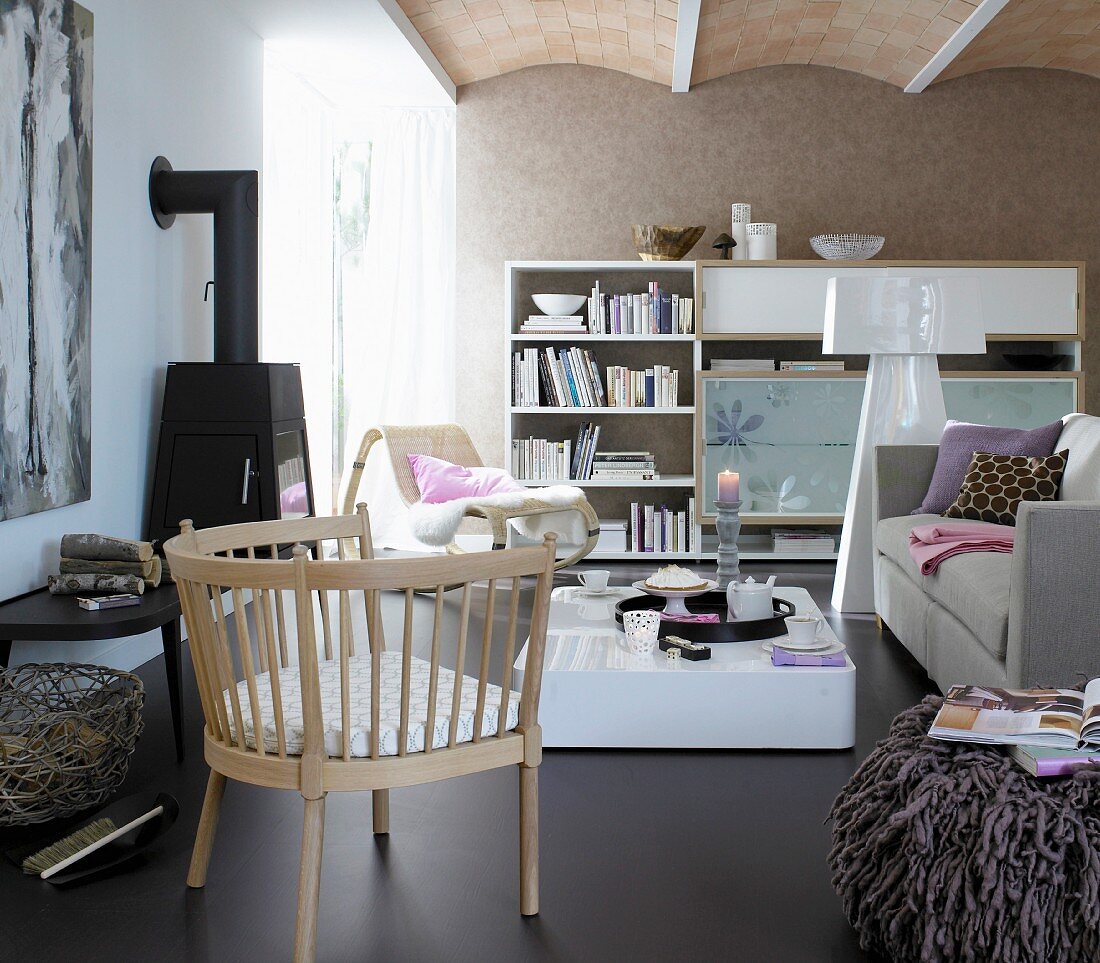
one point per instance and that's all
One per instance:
(729, 486)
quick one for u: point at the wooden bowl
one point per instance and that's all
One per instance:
(664, 242)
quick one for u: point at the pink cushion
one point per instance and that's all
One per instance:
(440, 481)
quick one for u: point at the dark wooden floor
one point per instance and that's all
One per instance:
(645, 855)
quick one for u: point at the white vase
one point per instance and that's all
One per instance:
(761, 241)
(741, 240)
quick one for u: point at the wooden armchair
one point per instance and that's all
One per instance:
(452, 443)
(341, 721)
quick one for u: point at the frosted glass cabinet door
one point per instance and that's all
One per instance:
(1009, 402)
(791, 440)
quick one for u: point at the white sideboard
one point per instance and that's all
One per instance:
(786, 299)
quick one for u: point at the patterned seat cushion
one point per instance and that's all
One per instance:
(359, 669)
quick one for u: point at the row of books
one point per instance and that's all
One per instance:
(770, 364)
(584, 451)
(807, 541)
(538, 459)
(655, 312)
(659, 529)
(656, 387)
(569, 378)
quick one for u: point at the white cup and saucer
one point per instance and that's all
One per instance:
(594, 581)
(804, 634)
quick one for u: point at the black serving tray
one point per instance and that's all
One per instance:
(709, 633)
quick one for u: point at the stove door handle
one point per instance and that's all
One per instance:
(244, 482)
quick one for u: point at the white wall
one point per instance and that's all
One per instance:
(184, 79)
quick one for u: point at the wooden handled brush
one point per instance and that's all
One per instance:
(62, 854)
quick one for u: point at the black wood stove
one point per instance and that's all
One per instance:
(233, 432)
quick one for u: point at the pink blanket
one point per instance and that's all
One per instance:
(931, 544)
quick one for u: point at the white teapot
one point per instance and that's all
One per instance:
(750, 599)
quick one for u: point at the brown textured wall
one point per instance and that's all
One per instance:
(557, 162)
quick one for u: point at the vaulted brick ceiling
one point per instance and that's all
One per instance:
(890, 40)
(1037, 33)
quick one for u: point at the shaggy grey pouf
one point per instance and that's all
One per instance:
(951, 852)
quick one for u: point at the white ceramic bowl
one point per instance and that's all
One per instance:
(563, 305)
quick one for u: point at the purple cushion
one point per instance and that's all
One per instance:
(959, 443)
(440, 481)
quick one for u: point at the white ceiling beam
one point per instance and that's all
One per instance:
(956, 43)
(420, 45)
(687, 26)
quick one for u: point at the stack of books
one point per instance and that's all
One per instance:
(654, 312)
(584, 451)
(742, 364)
(537, 459)
(818, 365)
(554, 324)
(569, 378)
(657, 529)
(807, 541)
(625, 466)
(656, 387)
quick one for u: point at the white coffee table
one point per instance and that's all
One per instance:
(595, 693)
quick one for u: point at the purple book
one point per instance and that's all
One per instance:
(784, 657)
(1045, 762)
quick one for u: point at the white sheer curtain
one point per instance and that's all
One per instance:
(398, 306)
(297, 199)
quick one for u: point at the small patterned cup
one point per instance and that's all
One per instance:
(642, 629)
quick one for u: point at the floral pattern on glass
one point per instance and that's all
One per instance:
(731, 431)
(776, 493)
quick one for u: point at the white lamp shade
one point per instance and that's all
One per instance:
(903, 315)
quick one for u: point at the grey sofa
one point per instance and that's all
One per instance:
(1027, 619)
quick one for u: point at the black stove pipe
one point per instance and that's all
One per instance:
(233, 198)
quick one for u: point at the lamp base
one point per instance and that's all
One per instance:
(729, 527)
(902, 405)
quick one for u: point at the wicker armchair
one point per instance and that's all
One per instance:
(452, 443)
(351, 714)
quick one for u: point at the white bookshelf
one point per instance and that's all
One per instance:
(635, 428)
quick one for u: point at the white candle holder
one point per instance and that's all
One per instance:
(729, 527)
(642, 629)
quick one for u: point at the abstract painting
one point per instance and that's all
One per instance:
(45, 255)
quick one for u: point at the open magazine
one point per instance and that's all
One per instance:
(1060, 718)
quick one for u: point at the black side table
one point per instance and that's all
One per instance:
(41, 617)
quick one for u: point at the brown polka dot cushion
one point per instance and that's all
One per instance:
(996, 484)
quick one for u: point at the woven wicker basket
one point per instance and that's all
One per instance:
(66, 735)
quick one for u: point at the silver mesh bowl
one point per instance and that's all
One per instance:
(847, 247)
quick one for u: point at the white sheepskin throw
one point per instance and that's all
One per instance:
(438, 524)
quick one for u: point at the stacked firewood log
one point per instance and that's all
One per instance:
(100, 563)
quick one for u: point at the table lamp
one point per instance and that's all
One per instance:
(903, 323)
